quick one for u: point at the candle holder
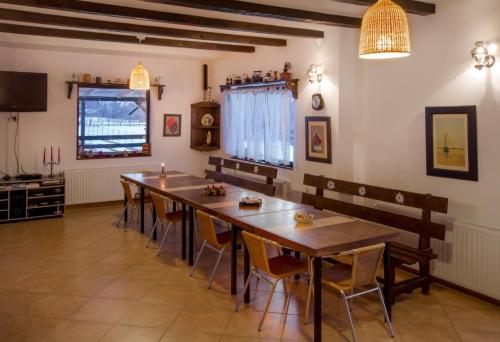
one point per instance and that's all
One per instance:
(162, 173)
(51, 163)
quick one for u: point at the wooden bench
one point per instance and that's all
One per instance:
(401, 255)
(266, 187)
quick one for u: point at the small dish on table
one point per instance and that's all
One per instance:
(303, 217)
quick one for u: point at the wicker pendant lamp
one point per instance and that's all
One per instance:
(384, 32)
(139, 77)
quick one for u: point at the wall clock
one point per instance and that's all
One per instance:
(317, 102)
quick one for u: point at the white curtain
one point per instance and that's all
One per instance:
(259, 124)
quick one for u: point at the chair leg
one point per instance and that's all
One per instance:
(287, 304)
(152, 231)
(197, 258)
(350, 316)
(164, 238)
(122, 216)
(310, 292)
(245, 288)
(387, 320)
(267, 306)
(134, 209)
(215, 268)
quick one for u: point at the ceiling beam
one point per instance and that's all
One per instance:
(260, 10)
(166, 17)
(118, 38)
(410, 6)
(49, 19)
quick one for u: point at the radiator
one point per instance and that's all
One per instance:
(97, 185)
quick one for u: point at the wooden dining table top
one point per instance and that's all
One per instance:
(328, 233)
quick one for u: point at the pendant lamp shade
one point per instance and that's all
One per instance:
(139, 78)
(384, 32)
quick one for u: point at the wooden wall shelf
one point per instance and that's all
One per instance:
(70, 84)
(199, 132)
(292, 84)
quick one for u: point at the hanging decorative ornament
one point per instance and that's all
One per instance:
(139, 77)
(384, 32)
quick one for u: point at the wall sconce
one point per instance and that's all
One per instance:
(314, 74)
(481, 55)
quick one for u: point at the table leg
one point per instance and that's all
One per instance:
(154, 222)
(297, 256)
(183, 231)
(191, 236)
(388, 279)
(234, 256)
(125, 215)
(317, 299)
(246, 272)
(174, 207)
(142, 210)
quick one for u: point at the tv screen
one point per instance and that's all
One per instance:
(23, 92)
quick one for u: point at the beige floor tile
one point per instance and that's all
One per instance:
(105, 270)
(420, 314)
(145, 272)
(89, 254)
(15, 328)
(205, 320)
(129, 333)
(474, 319)
(103, 310)
(246, 322)
(152, 315)
(229, 338)
(8, 280)
(77, 331)
(296, 330)
(69, 267)
(168, 294)
(56, 306)
(126, 289)
(474, 336)
(44, 283)
(189, 336)
(83, 286)
(414, 333)
(18, 302)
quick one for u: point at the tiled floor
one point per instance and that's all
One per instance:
(81, 279)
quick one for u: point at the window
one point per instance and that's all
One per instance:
(259, 125)
(112, 121)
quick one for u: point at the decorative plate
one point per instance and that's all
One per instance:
(207, 120)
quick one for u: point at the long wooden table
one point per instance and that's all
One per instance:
(329, 233)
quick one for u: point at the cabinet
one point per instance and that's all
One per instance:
(199, 132)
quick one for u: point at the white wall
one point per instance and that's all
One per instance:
(57, 126)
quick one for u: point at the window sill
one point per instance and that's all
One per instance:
(280, 166)
(111, 156)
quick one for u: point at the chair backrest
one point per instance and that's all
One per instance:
(426, 202)
(270, 173)
(365, 265)
(159, 204)
(207, 226)
(257, 250)
(127, 191)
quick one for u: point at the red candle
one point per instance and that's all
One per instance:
(44, 151)
(59, 154)
(51, 154)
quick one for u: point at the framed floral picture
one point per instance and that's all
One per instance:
(451, 142)
(172, 125)
(318, 139)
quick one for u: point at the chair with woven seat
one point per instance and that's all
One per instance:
(355, 279)
(279, 268)
(218, 242)
(161, 216)
(133, 203)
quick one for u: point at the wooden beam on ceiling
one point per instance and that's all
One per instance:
(49, 19)
(118, 38)
(410, 6)
(260, 10)
(166, 17)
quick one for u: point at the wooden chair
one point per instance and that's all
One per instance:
(278, 268)
(270, 173)
(401, 254)
(354, 280)
(162, 215)
(133, 203)
(218, 242)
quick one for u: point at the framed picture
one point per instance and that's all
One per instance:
(318, 139)
(451, 139)
(172, 125)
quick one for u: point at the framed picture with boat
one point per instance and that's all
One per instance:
(318, 139)
(451, 142)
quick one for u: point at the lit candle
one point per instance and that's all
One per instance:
(51, 154)
(162, 168)
(44, 152)
(59, 154)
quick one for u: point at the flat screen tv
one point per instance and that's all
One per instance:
(23, 92)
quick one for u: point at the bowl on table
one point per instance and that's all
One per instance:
(303, 217)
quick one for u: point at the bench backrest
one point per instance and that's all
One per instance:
(423, 226)
(266, 187)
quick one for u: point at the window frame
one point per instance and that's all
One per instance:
(113, 155)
